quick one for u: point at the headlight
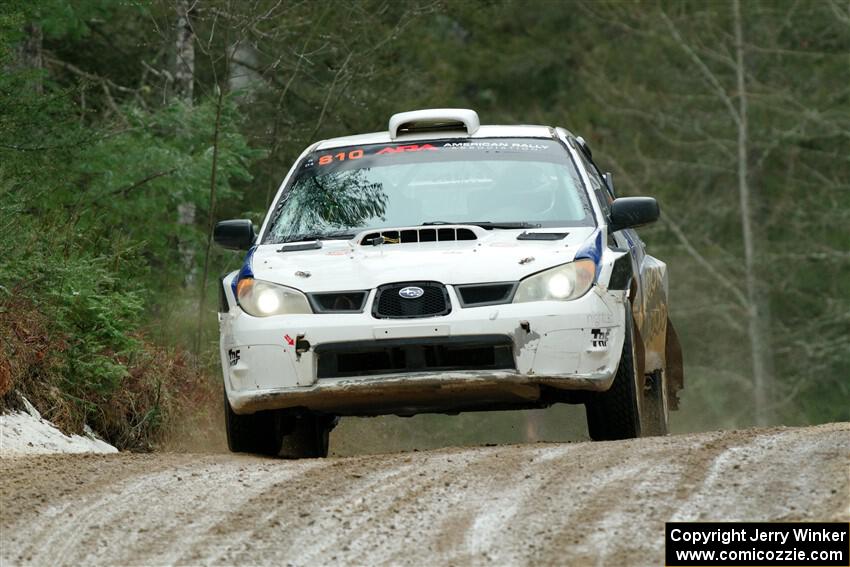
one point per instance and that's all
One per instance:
(561, 283)
(264, 299)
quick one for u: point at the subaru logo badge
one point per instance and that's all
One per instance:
(411, 292)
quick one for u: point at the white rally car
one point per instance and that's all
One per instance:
(444, 266)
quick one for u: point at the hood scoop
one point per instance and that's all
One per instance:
(417, 235)
(542, 236)
(314, 245)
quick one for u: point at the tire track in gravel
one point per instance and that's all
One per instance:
(724, 491)
(335, 506)
(151, 505)
(643, 483)
(544, 504)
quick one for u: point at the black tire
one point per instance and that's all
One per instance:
(615, 413)
(656, 410)
(255, 433)
(308, 437)
(278, 433)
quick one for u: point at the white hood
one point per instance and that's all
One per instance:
(497, 255)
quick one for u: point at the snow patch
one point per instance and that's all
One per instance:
(27, 433)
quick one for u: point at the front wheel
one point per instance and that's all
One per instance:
(634, 406)
(615, 413)
(254, 433)
(278, 433)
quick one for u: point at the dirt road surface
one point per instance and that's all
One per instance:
(552, 504)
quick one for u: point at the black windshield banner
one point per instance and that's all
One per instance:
(376, 155)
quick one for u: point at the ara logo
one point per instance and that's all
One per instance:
(411, 292)
(403, 149)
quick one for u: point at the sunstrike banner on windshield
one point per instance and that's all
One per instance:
(377, 155)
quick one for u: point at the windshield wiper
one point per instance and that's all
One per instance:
(489, 225)
(334, 235)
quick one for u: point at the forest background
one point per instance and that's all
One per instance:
(128, 127)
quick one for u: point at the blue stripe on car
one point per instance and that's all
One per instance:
(592, 250)
(246, 271)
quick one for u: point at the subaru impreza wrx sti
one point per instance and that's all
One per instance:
(444, 266)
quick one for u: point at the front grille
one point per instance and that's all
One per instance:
(338, 301)
(393, 356)
(434, 301)
(476, 295)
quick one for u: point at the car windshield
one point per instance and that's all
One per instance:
(496, 183)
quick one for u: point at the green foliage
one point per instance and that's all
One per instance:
(93, 310)
(89, 227)
(96, 155)
(68, 19)
(136, 178)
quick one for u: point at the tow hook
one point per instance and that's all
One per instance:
(302, 345)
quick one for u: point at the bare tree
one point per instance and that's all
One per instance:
(184, 59)
(758, 314)
(758, 328)
(746, 97)
(184, 80)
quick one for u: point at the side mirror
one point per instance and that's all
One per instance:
(235, 234)
(632, 212)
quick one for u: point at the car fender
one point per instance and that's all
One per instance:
(648, 298)
(653, 318)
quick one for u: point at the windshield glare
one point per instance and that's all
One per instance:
(496, 180)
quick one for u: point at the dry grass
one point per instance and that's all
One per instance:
(30, 361)
(166, 397)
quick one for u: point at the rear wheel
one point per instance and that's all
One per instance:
(278, 433)
(615, 413)
(656, 409)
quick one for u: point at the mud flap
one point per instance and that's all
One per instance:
(674, 366)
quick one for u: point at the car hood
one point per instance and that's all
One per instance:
(495, 256)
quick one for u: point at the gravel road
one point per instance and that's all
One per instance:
(542, 504)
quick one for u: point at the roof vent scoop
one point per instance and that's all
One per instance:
(434, 120)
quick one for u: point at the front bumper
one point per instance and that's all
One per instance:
(271, 363)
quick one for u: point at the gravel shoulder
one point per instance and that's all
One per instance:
(573, 503)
